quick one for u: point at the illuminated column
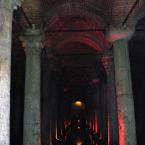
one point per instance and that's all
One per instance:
(125, 104)
(32, 42)
(6, 8)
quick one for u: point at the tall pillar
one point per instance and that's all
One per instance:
(32, 41)
(125, 104)
(112, 108)
(6, 8)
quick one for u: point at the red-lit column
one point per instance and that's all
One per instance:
(112, 108)
(125, 103)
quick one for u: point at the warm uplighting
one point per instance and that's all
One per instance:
(56, 131)
(79, 142)
(78, 105)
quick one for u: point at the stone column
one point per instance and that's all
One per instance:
(6, 8)
(112, 107)
(125, 103)
(32, 41)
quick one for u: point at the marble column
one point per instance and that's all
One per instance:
(6, 9)
(32, 42)
(125, 103)
(112, 107)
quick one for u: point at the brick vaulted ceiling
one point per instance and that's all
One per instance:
(74, 14)
(112, 11)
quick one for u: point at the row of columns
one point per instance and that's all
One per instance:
(32, 42)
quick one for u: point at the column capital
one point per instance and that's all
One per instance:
(32, 40)
(16, 3)
(117, 33)
(10, 4)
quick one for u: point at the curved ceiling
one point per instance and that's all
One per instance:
(112, 11)
(81, 68)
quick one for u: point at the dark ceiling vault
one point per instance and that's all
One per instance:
(112, 11)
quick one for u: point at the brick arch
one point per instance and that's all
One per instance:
(86, 46)
(80, 39)
(70, 9)
(97, 38)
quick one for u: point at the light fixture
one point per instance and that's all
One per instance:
(78, 105)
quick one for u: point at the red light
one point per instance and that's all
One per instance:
(121, 130)
(96, 123)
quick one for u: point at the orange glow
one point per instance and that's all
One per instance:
(79, 142)
(50, 137)
(56, 132)
(121, 130)
(78, 104)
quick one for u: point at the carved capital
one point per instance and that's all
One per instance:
(32, 40)
(10, 4)
(16, 3)
(116, 33)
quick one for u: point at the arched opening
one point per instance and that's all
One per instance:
(74, 69)
(75, 74)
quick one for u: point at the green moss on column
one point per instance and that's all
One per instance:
(32, 41)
